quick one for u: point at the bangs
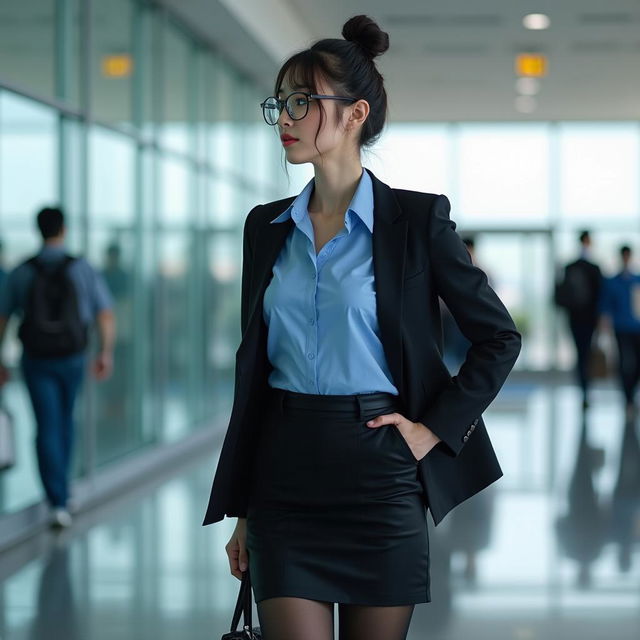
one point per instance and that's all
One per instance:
(303, 70)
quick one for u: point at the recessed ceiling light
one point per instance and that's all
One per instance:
(527, 86)
(526, 104)
(536, 21)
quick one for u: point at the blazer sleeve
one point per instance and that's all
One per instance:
(247, 268)
(484, 321)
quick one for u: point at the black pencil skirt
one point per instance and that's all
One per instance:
(335, 509)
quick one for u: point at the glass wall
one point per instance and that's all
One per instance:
(29, 168)
(525, 191)
(148, 140)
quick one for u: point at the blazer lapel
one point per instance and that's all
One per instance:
(389, 250)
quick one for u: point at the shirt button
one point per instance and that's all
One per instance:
(310, 356)
(311, 321)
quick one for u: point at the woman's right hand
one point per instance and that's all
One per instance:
(236, 549)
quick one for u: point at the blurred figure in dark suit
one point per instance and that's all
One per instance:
(578, 292)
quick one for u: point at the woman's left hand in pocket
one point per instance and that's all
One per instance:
(419, 437)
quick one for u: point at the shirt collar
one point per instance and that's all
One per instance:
(361, 204)
(52, 250)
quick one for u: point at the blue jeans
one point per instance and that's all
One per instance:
(53, 385)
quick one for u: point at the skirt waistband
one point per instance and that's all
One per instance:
(357, 403)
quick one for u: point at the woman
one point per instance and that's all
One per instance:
(346, 425)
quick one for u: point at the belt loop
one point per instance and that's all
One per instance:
(359, 402)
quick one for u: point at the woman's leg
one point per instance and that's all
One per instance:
(363, 622)
(288, 618)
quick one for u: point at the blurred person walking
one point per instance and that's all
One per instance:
(346, 425)
(578, 292)
(620, 308)
(58, 297)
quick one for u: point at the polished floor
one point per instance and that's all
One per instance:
(551, 552)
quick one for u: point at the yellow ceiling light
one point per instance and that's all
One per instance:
(533, 65)
(117, 66)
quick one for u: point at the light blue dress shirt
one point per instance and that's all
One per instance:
(324, 336)
(619, 299)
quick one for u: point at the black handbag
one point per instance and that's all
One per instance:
(243, 605)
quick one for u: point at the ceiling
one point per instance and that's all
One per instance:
(452, 61)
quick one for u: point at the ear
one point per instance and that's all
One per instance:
(359, 113)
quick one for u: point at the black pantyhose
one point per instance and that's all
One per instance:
(361, 622)
(300, 619)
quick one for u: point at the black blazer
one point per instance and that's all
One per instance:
(417, 256)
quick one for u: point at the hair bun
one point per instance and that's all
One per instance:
(364, 32)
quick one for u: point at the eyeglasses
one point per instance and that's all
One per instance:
(296, 104)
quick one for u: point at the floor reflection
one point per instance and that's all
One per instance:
(550, 551)
(55, 611)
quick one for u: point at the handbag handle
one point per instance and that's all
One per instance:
(243, 604)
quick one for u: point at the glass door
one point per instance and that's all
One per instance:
(520, 267)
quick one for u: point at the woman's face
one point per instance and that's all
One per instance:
(332, 140)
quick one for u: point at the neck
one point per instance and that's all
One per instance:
(54, 242)
(334, 186)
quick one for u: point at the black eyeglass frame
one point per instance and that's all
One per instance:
(282, 104)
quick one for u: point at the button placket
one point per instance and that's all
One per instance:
(312, 333)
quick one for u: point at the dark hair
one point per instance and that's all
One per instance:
(625, 248)
(113, 249)
(50, 222)
(584, 235)
(348, 65)
(469, 242)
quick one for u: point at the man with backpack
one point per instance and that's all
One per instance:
(578, 293)
(58, 297)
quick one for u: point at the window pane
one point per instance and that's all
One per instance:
(222, 313)
(173, 332)
(112, 251)
(520, 269)
(413, 156)
(176, 125)
(178, 301)
(223, 151)
(502, 174)
(28, 148)
(258, 140)
(175, 198)
(224, 202)
(599, 169)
